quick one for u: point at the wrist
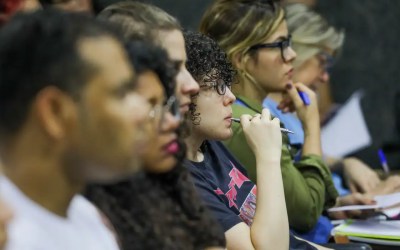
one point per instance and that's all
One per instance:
(311, 128)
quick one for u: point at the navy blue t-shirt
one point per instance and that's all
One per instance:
(225, 188)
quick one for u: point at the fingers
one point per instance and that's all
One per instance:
(266, 114)
(294, 95)
(363, 199)
(245, 120)
(353, 188)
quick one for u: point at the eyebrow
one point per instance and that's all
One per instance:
(281, 38)
(177, 63)
(128, 84)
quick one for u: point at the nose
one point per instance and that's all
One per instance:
(324, 77)
(186, 84)
(229, 97)
(169, 123)
(291, 54)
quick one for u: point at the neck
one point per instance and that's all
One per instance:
(40, 174)
(193, 144)
(250, 89)
(277, 97)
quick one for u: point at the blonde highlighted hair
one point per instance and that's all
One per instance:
(311, 33)
(239, 24)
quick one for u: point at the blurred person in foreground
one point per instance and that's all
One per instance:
(61, 76)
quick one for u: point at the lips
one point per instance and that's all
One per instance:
(290, 73)
(184, 108)
(172, 147)
(228, 117)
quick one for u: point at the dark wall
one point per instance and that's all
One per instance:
(370, 60)
(189, 12)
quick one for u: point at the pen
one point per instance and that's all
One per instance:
(304, 97)
(284, 130)
(383, 161)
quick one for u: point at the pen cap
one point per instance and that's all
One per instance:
(304, 97)
(382, 157)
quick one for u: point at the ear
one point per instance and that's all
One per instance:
(238, 61)
(56, 111)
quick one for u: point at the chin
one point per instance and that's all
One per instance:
(227, 135)
(162, 166)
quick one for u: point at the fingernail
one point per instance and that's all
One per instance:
(289, 86)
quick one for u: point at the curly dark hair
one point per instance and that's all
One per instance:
(157, 211)
(206, 62)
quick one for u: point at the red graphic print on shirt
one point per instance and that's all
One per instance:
(237, 180)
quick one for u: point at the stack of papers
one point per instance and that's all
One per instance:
(374, 230)
(371, 231)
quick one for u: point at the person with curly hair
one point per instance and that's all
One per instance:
(220, 179)
(159, 208)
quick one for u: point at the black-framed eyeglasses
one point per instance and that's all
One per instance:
(326, 61)
(219, 85)
(158, 112)
(284, 45)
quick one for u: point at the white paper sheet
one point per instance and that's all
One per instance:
(347, 132)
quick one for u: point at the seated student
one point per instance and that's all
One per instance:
(158, 209)
(316, 43)
(255, 37)
(220, 178)
(61, 76)
(141, 21)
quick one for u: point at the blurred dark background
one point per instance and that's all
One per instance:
(370, 61)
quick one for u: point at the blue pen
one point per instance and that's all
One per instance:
(383, 160)
(304, 97)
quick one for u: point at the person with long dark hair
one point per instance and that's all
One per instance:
(159, 208)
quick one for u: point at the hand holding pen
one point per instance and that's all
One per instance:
(283, 130)
(263, 134)
(303, 100)
(384, 164)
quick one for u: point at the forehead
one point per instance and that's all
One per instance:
(108, 56)
(281, 31)
(173, 42)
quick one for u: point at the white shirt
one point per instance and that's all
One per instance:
(35, 228)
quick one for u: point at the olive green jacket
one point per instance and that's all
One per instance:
(307, 183)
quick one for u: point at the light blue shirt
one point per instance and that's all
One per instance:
(289, 120)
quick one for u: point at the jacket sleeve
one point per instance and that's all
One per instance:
(307, 183)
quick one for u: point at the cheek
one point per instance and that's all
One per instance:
(180, 81)
(307, 76)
